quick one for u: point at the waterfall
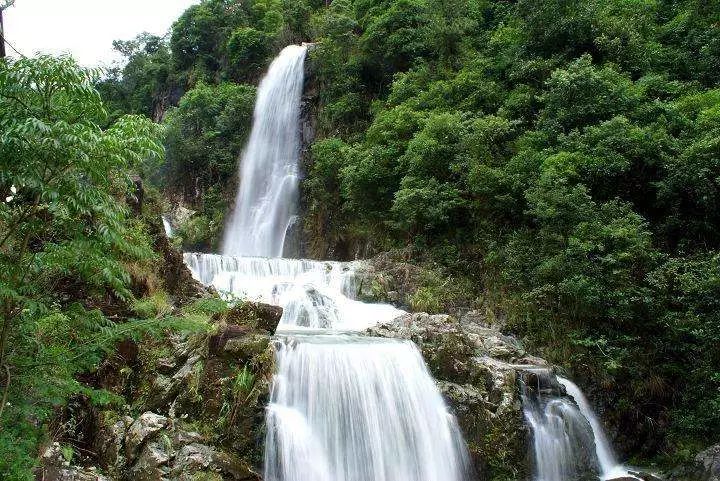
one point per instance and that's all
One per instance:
(366, 408)
(568, 441)
(167, 226)
(313, 294)
(266, 201)
(561, 436)
(343, 407)
(609, 466)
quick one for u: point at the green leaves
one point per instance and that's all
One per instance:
(64, 235)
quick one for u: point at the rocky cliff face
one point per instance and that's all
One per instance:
(195, 407)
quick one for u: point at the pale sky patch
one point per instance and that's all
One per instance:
(86, 28)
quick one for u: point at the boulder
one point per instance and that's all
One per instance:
(705, 467)
(481, 390)
(141, 430)
(256, 315)
(110, 439)
(151, 463)
(245, 348)
(54, 467)
(193, 457)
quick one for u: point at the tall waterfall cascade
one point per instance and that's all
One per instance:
(343, 407)
(266, 202)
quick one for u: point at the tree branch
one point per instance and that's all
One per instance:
(5, 392)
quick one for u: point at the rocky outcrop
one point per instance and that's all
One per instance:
(477, 370)
(388, 277)
(159, 448)
(296, 244)
(708, 463)
(56, 467)
(195, 407)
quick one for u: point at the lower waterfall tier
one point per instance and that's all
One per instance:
(353, 408)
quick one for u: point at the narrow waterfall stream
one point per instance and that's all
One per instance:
(266, 201)
(343, 407)
(609, 465)
(568, 440)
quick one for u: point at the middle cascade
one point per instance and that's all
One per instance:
(343, 407)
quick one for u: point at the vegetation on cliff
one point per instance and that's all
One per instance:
(560, 157)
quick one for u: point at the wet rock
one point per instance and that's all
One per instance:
(247, 347)
(151, 464)
(385, 279)
(110, 439)
(199, 458)
(481, 390)
(225, 334)
(255, 315)
(141, 430)
(706, 467)
(644, 476)
(193, 457)
(234, 467)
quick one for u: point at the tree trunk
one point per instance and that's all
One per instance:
(2, 35)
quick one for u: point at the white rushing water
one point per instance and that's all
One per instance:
(313, 294)
(266, 201)
(167, 226)
(351, 408)
(568, 438)
(343, 407)
(560, 433)
(609, 466)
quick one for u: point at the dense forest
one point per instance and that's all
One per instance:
(557, 162)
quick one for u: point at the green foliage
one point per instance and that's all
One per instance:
(155, 305)
(247, 47)
(567, 152)
(563, 156)
(243, 383)
(67, 241)
(205, 135)
(145, 83)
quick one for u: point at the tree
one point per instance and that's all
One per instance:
(64, 228)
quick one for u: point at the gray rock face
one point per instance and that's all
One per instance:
(56, 468)
(244, 348)
(151, 463)
(110, 440)
(161, 451)
(710, 462)
(141, 430)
